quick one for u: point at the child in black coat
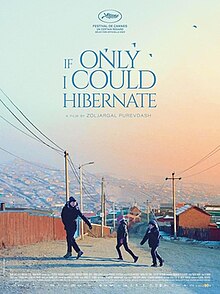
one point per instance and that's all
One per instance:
(122, 239)
(153, 237)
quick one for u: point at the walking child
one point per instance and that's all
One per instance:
(122, 239)
(153, 237)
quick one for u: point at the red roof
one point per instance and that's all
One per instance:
(180, 204)
(213, 225)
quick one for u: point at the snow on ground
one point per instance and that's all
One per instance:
(210, 244)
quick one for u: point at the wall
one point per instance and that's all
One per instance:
(214, 234)
(211, 234)
(193, 218)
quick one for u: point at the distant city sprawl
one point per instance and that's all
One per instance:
(25, 185)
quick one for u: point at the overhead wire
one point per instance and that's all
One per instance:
(94, 176)
(73, 168)
(211, 153)
(55, 149)
(19, 129)
(38, 138)
(31, 163)
(27, 161)
(88, 183)
(202, 171)
(21, 112)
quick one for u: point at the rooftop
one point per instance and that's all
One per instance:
(183, 209)
(187, 207)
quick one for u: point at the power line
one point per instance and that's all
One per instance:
(27, 127)
(88, 183)
(37, 165)
(73, 168)
(215, 150)
(29, 162)
(19, 129)
(37, 138)
(30, 121)
(97, 179)
(202, 171)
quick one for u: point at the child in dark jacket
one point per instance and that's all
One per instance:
(122, 239)
(153, 237)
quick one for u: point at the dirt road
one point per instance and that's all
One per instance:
(40, 268)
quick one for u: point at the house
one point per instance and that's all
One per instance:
(189, 216)
(135, 211)
(164, 221)
(166, 208)
(214, 210)
(180, 204)
(192, 222)
(134, 216)
(89, 214)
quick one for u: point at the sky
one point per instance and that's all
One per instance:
(36, 37)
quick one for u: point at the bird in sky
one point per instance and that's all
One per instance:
(195, 26)
(150, 54)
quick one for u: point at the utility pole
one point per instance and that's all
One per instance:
(81, 194)
(66, 175)
(174, 202)
(102, 208)
(81, 199)
(114, 215)
(148, 218)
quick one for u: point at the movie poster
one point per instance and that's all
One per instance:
(130, 90)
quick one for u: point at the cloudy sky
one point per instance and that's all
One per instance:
(36, 37)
